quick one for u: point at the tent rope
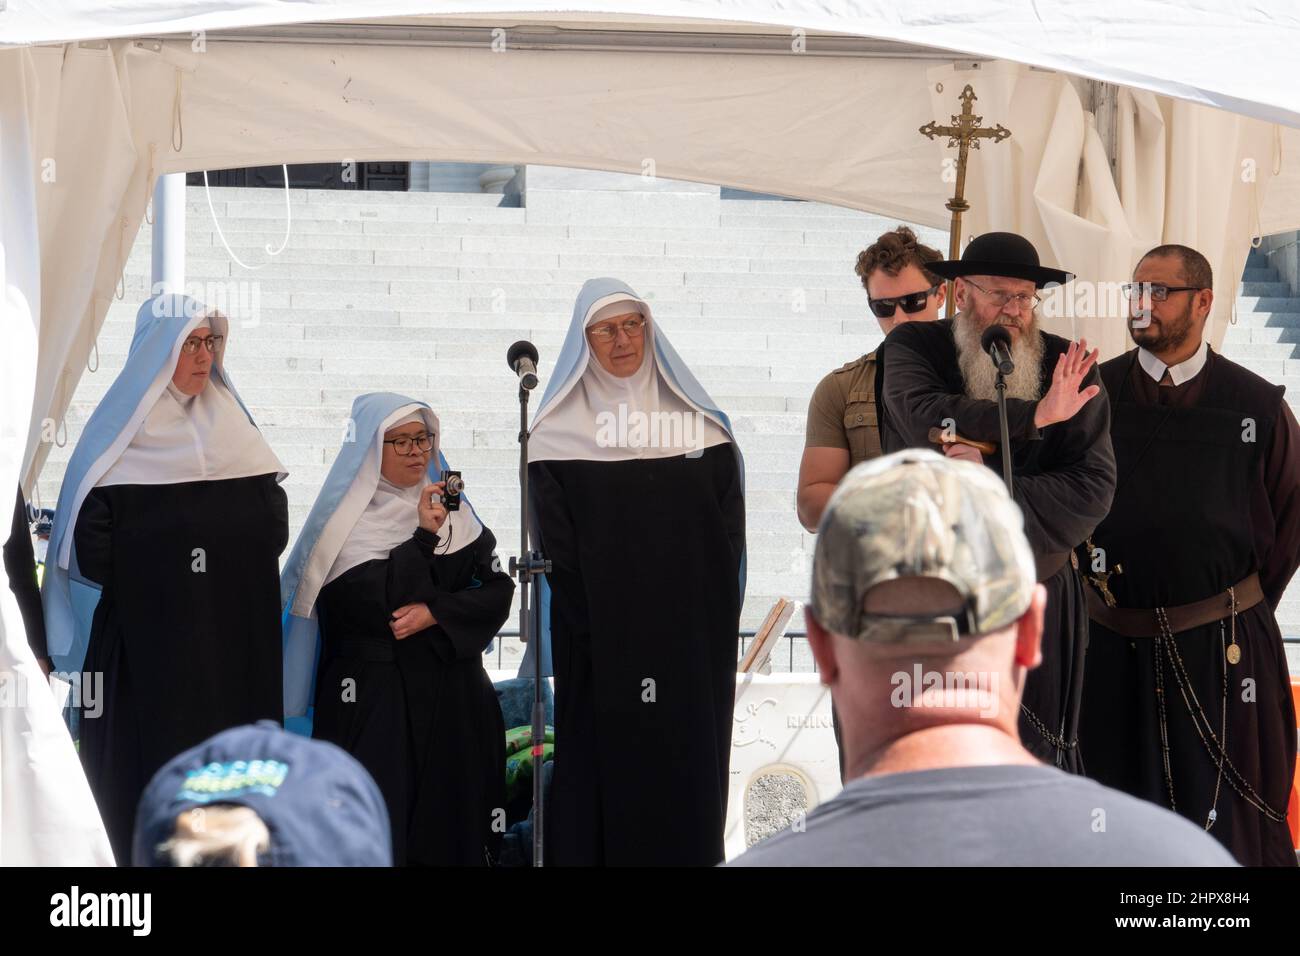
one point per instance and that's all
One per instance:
(1256, 232)
(148, 206)
(92, 371)
(288, 224)
(120, 291)
(178, 125)
(63, 426)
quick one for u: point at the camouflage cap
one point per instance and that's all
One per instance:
(916, 513)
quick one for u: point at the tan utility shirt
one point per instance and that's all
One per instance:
(842, 411)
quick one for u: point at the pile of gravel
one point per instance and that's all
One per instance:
(773, 802)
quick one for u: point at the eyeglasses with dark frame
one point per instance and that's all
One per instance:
(634, 328)
(403, 444)
(211, 342)
(911, 303)
(1137, 291)
(1023, 300)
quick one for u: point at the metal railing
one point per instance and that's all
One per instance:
(746, 634)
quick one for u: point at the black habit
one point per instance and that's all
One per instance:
(20, 568)
(187, 632)
(644, 622)
(420, 713)
(1203, 500)
(1063, 478)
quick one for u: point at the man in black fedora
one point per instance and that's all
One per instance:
(936, 376)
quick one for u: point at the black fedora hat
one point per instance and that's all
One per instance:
(1000, 254)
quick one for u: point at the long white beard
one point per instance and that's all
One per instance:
(977, 369)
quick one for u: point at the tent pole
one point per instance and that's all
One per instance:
(168, 234)
(1102, 100)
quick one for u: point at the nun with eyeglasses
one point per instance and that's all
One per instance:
(161, 580)
(391, 597)
(638, 489)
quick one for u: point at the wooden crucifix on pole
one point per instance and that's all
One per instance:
(965, 133)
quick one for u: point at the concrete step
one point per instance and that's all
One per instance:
(1257, 259)
(1264, 318)
(417, 353)
(1265, 289)
(1279, 335)
(797, 210)
(1272, 303)
(1251, 352)
(196, 199)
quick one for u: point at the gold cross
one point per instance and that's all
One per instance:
(1101, 579)
(965, 133)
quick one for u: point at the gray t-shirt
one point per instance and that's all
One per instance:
(1003, 815)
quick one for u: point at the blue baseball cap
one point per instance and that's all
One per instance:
(321, 807)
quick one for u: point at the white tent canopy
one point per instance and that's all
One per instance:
(98, 100)
(827, 118)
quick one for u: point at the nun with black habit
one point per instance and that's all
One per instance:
(638, 489)
(391, 598)
(161, 577)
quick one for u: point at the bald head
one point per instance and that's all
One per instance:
(886, 692)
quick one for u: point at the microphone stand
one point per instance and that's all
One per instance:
(1005, 431)
(527, 569)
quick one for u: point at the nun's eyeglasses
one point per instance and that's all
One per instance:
(212, 343)
(634, 328)
(403, 445)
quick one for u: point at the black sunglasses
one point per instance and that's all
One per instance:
(912, 303)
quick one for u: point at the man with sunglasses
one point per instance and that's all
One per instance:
(1187, 701)
(842, 427)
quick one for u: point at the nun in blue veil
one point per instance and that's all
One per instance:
(160, 586)
(637, 487)
(390, 600)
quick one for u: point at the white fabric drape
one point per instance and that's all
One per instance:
(1232, 56)
(1184, 173)
(113, 120)
(47, 814)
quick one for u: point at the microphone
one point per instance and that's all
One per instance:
(522, 359)
(996, 341)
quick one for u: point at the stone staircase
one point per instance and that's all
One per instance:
(423, 292)
(1266, 339)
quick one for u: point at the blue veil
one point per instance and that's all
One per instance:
(161, 326)
(348, 488)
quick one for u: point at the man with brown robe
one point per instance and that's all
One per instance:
(1187, 700)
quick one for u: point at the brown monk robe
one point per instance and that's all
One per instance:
(1207, 500)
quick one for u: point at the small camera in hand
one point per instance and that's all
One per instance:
(453, 485)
